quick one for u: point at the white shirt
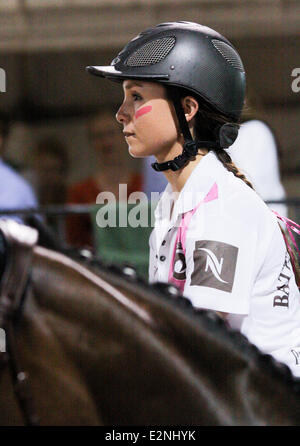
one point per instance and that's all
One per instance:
(255, 154)
(236, 259)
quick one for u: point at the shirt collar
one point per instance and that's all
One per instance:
(207, 172)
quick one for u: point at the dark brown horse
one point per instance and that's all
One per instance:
(103, 348)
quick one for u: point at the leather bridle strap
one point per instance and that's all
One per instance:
(20, 380)
(19, 242)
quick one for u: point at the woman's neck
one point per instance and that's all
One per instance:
(178, 178)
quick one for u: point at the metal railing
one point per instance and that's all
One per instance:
(60, 212)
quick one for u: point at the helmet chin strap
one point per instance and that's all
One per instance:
(227, 135)
(190, 146)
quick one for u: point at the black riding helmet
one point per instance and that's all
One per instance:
(190, 56)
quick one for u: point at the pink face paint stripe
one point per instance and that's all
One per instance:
(142, 111)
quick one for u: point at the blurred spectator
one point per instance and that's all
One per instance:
(49, 171)
(111, 169)
(255, 152)
(15, 192)
(48, 176)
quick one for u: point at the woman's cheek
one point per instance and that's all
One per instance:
(141, 146)
(143, 111)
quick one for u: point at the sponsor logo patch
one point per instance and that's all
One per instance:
(214, 265)
(281, 298)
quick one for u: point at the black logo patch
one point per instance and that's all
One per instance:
(214, 265)
(179, 266)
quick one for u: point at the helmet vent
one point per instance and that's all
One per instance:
(151, 53)
(229, 54)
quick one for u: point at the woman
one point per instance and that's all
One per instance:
(184, 88)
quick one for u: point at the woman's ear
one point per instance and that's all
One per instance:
(190, 107)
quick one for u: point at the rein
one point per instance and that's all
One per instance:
(19, 243)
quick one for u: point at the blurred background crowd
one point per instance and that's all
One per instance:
(59, 142)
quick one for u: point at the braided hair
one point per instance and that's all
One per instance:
(227, 162)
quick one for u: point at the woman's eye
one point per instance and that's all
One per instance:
(136, 97)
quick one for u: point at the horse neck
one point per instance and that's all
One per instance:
(119, 344)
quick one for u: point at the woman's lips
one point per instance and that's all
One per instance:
(129, 135)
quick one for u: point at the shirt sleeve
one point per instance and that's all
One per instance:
(17, 195)
(29, 198)
(223, 256)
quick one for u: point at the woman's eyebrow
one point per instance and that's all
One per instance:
(133, 84)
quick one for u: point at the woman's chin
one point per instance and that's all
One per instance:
(138, 153)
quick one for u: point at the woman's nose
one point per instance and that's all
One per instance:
(122, 115)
